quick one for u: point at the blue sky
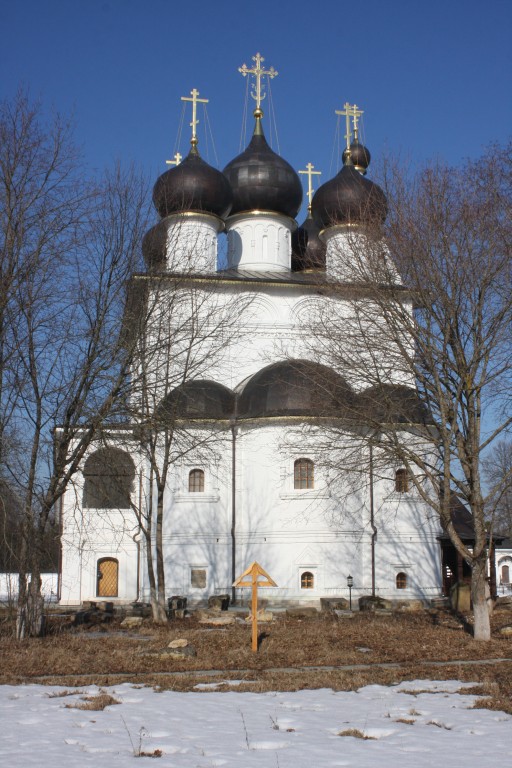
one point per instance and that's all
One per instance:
(434, 78)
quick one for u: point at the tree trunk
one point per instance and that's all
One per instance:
(481, 598)
(30, 619)
(159, 616)
(160, 570)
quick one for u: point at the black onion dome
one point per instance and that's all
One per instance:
(192, 186)
(262, 180)
(295, 388)
(308, 251)
(349, 198)
(359, 155)
(154, 244)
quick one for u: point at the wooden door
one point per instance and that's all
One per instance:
(107, 577)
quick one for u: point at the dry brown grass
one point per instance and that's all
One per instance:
(294, 654)
(96, 703)
(356, 734)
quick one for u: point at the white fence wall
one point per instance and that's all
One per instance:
(9, 586)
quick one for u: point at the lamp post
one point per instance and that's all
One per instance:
(350, 584)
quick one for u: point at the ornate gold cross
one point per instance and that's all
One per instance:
(350, 111)
(194, 93)
(258, 73)
(309, 172)
(176, 160)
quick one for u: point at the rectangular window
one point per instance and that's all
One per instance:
(303, 474)
(401, 481)
(198, 578)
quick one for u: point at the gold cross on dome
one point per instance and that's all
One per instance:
(194, 93)
(258, 73)
(350, 111)
(309, 172)
(176, 160)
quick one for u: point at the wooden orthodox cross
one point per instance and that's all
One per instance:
(350, 111)
(309, 172)
(251, 578)
(258, 73)
(194, 94)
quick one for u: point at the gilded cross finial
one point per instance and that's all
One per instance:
(309, 172)
(258, 71)
(176, 159)
(350, 111)
(194, 94)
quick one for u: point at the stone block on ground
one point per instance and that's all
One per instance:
(374, 603)
(107, 606)
(215, 619)
(262, 603)
(218, 602)
(180, 642)
(262, 616)
(92, 618)
(460, 597)
(328, 604)
(307, 612)
(177, 602)
(140, 609)
(132, 622)
(188, 651)
(408, 606)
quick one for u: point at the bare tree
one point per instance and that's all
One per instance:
(68, 246)
(185, 324)
(498, 476)
(421, 323)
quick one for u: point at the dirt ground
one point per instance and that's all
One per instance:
(294, 653)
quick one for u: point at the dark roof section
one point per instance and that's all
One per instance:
(462, 520)
(295, 388)
(394, 404)
(285, 388)
(261, 180)
(197, 400)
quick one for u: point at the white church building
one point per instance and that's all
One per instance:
(232, 452)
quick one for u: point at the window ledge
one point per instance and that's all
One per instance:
(305, 493)
(195, 496)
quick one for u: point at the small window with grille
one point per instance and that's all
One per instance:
(401, 480)
(401, 580)
(307, 580)
(303, 474)
(196, 481)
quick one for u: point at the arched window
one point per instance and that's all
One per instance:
(107, 577)
(401, 580)
(307, 580)
(303, 474)
(196, 481)
(505, 574)
(401, 480)
(108, 479)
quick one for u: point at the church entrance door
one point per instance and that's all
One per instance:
(107, 577)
